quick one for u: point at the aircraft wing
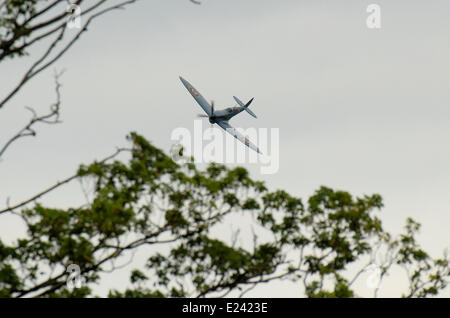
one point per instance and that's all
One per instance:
(236, 134)
(197, 96)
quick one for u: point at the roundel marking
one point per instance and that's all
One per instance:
(193, 91)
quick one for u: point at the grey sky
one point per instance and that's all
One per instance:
(360, 110)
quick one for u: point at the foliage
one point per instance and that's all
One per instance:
(149, 200)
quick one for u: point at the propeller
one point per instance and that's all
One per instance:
(211, 117)
(212, 113)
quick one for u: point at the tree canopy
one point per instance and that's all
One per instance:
(147, 199)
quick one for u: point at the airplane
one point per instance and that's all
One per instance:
(221, 117)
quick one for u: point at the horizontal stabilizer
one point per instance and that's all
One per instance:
(240, 103)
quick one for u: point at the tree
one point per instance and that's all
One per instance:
(26, 23)
(149, 200)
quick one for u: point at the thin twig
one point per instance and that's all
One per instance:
(41, 65)
(50, 118)
(57, 185)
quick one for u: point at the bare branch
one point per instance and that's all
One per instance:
(52, 117)
(43, 63)
(57, 185)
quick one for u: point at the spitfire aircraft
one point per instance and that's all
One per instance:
(221, 117)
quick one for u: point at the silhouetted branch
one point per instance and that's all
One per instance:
(18, 41)
(42, 63)
(52, 117)
(56, 185)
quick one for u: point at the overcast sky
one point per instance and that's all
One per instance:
(358, 109)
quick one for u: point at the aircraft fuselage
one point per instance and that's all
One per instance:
(227, 113)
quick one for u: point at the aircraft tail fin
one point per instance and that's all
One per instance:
(245, 106)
